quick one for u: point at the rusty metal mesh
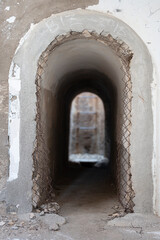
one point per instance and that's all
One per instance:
(124, 182)
(42, 180)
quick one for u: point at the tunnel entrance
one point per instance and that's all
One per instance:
(82, 69)
(87, 89)
(72, 42)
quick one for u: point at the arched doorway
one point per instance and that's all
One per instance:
(80, 72)
(104, 54)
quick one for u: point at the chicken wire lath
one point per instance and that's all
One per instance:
(42, 180)
(124, 183)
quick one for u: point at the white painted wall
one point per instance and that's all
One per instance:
(143, 16)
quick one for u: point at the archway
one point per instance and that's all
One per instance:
(103, 51)
(87, 128)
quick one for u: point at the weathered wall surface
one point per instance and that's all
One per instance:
(15, 20)
(144, 18)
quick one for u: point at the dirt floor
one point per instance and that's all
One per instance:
(89, 206)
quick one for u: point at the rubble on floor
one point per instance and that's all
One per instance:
(44, 218)
(34, 226)
(119, 211)
(31, 221)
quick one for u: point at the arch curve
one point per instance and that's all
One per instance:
(40, 39)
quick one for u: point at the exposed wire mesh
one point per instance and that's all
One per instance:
(42, 180)
(124, 182)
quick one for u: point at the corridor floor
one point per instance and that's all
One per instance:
(86, 190)
(88, 201)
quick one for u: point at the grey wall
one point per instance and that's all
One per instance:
(26, 12)
(141, 76)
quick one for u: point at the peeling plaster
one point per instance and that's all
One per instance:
(14, 120)
(11, 19)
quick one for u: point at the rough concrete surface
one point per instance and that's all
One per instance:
(15, 19)
(87, 214)
(82, 227)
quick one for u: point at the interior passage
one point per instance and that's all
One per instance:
(87, 185)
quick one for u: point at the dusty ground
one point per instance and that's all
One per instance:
(88, 207)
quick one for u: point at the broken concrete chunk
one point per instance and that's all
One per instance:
(10, 223)
(54, 227)
(51, 207)
(86, 33)
(15, 227)
(51, 219)
(42, 213)
(2, 223)
(32, 216)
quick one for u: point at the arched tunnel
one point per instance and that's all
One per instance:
(74, 83)
(75, 66)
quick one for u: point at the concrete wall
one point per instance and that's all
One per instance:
(15, 20)
(142, 17)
